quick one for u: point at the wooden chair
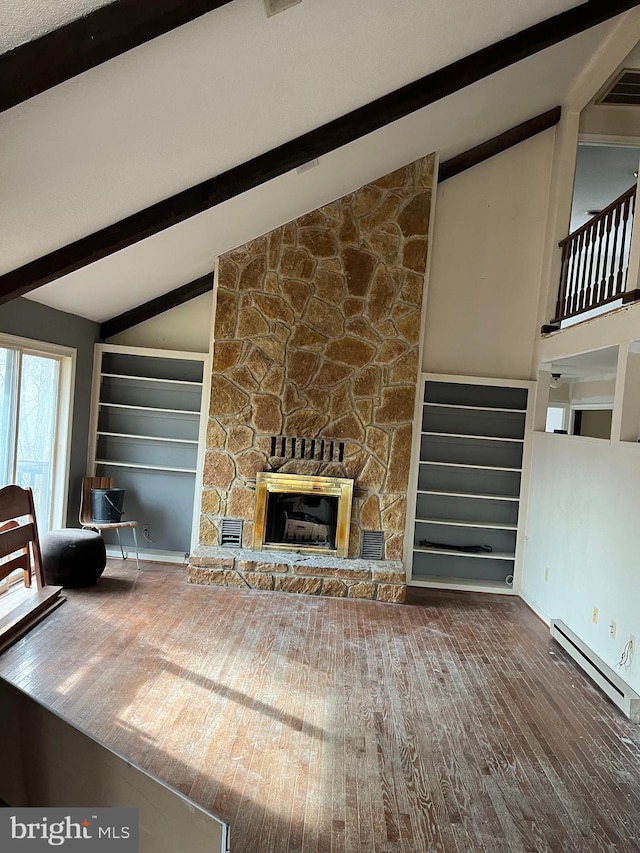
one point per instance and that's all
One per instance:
(23, 607)
(86, 519)
(19, 543)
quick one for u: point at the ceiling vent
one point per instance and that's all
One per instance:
(275, 6)
(625, 90)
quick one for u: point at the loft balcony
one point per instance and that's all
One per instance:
(595, 263)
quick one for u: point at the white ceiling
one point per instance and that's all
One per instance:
(25, 20)
(598, 363)
(229, 86)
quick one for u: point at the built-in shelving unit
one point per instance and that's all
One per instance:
(147, 427)
(467, 483)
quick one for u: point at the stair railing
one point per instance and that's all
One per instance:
(595, 259)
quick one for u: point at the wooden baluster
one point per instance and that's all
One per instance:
(599, 263)
(615, 216)
(575, 302)
(564, 274)
(622, 278)
(575, 257)
(607, 257)
(572, 276)
(587, 283)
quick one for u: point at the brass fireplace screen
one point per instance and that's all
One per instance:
(300, 513)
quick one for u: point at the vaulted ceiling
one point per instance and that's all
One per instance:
(226, 88)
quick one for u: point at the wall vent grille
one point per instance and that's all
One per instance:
(372, 545)
(231, 532)
(319, 449)
(625, 91)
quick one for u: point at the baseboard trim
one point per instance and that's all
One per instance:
(598, 671)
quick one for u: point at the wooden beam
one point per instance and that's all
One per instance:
(156, 306)
(307, 147)
(498, 144)
(106, 32)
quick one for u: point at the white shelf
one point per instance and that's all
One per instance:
(149, 438)
(483, 555)
(465, 435)
(153, 379)
(473, 467)
(150, 409)
(461, 584)
(454, 412)
(454, 522)
(112, 464)
(474, 408)
(482, 497)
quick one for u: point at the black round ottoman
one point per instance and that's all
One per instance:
(72, 558)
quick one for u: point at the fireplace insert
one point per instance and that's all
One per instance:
(301, 513)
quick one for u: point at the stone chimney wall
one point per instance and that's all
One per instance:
(317, 327)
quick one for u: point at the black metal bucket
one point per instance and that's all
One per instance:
(107, 505)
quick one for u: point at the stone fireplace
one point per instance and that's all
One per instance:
(316, 343)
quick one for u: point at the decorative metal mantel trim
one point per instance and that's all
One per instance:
(302, 484)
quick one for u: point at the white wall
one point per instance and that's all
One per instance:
(487, 252)
(610, 121)
(187, 327)
(583, 526)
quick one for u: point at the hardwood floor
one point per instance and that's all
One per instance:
(313, 725)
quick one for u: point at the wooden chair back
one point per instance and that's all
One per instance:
(19, 543)
(88, 483)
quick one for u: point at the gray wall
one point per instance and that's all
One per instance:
(31, 320)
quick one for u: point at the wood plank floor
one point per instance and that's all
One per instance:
(313, 725)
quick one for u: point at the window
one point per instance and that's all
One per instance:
(557, 416)
(35, 410)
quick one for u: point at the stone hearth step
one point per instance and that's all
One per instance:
(380, 580)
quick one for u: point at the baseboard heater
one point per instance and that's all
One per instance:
(598, 671)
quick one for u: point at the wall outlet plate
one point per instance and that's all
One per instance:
(612, 629)
(594, 616)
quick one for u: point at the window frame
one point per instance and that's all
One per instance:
(66, 358)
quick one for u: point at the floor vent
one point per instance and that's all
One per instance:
(372, 545)
(598, 671)
(231, 532)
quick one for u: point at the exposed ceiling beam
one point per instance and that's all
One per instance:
(106, 32)
(307, 147)
(156, 306)
(498, 144)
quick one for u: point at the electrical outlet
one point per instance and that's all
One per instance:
(546, 573)
(612, 630)
(594, 617)
(632, 644)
